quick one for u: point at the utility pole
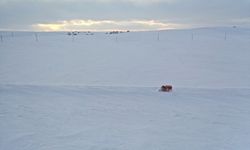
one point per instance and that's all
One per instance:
(36, 36)
(158, 36)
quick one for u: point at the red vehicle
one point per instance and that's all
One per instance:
(166, 88)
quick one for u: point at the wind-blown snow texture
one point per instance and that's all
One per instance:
(101, 91)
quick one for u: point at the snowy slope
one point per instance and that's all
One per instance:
(73, 118)
(101, 91)
(134, 59)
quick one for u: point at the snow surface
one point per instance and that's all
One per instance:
(101, 91)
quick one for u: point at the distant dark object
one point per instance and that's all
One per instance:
(166, 88)
(234, 27)
(89, 33)
(114, 32)
(73, 33)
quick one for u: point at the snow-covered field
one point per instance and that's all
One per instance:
(101, 91)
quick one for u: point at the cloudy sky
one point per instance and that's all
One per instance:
(104, 15)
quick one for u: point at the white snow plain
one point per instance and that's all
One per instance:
(101, 91)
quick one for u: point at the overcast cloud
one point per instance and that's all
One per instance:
(122, 14)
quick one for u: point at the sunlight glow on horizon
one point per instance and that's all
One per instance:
(104, 25)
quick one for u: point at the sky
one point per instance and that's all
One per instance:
(134, 15)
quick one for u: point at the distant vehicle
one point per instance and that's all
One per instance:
(166, 88)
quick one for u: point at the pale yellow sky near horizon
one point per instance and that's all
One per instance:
(105, 25)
